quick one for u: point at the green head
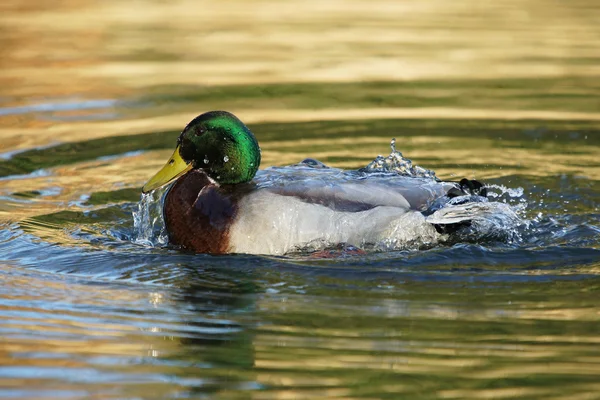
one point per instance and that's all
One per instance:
(216, 142)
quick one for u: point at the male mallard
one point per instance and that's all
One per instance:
(216, 207)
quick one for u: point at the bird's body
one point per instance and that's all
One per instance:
(301, 208)
(272, 223)
(285, 209)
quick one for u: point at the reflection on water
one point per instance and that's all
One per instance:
(93, 97)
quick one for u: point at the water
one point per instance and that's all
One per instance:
(148, 224)
(93, 97)
(398, 164)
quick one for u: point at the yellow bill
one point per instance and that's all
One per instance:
(173, 169)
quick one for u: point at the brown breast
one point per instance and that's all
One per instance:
(199, 213)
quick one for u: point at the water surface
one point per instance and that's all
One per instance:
(93, 97)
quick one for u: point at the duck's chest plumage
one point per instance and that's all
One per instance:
(199, 214)
(276, 217)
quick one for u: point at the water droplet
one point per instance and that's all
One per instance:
(393, 145)
(252, 164)
(225, 158)
(232, 168)
(206, 161)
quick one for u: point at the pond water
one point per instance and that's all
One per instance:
(93, 96)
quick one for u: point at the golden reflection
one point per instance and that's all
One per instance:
(403, 361)
(238, 41)
(90, 50)
(497, 393)
(156, 299)
(308, 394)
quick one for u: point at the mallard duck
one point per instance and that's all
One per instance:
(218, 204)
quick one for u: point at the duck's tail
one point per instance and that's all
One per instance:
(459, 207)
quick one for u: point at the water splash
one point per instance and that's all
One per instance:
(398, 164)
(148, 224)
(514, 197)
(503, 190)
(488, 222)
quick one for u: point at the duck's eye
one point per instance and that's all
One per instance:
(199, 131)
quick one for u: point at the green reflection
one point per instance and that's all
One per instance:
(551, 137)
(568, 93)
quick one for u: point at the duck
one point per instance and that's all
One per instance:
(219, 202)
